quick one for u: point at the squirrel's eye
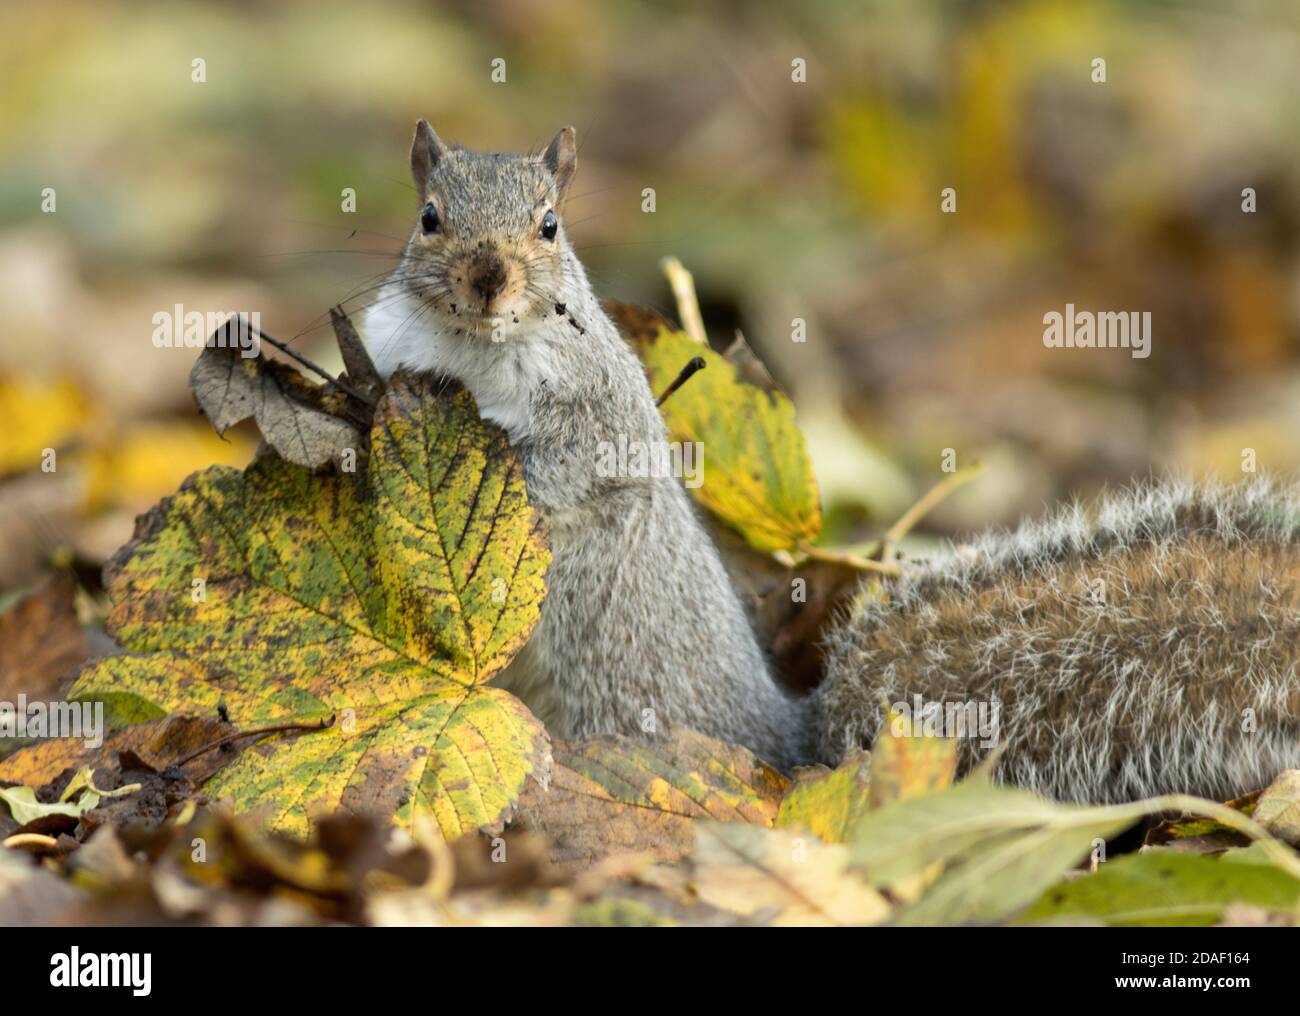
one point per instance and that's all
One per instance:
(429, 220)
(549, 225)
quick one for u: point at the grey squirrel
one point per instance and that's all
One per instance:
(1134, 654)
(640, 628)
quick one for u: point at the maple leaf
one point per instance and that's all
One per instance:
(387, 602)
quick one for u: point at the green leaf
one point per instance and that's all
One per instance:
(293, 596)
(999, 848)
(24, 807)
(1166, 888)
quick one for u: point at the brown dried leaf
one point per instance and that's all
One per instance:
(613, 794)
(361, 374)
(637, 324)
(1193, 834)
(41, 641)
(1278, 810)
(780, 878)
(302, 421)
(157, 745)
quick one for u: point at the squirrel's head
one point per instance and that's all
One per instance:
(488, 247)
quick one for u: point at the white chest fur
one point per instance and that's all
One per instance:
(501, 375)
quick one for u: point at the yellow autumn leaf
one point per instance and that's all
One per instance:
(757, 476)
(828, 802)
(39, 415)
(146, 460)
(905, 763)
(388, 603)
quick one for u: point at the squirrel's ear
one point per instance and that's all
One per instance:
(426, 151)
(561, 158)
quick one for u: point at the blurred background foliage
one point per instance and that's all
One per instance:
(816, 200)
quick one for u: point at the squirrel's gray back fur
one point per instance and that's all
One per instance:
(1149, 647)
(640, 628)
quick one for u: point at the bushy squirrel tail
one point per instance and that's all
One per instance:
(1150, 646)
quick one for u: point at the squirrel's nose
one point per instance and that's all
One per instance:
(488, 278)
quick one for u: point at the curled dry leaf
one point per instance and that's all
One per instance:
(361, 375)
(304, 422)
(1278, 810)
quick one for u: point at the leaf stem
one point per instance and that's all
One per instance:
(922, 507)
(847, 558)
(295, 355)
(257, 731)
(688, 305)
(1280, 854)
(885, 547)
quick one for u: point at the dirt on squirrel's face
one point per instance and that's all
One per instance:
(486, 255)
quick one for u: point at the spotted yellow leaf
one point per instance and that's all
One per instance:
(756, 475)
(387, 603)
(829, 802)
